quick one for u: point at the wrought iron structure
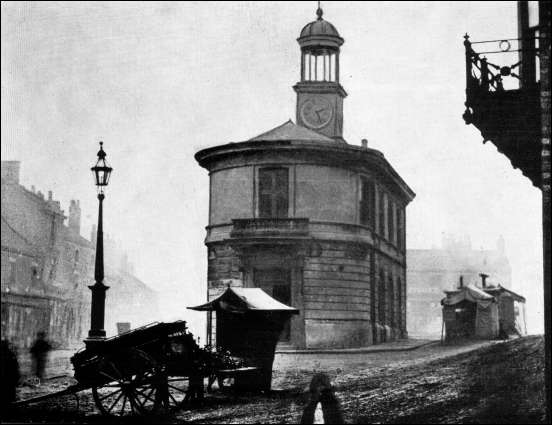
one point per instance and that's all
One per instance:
(102, 172)
(508, 117)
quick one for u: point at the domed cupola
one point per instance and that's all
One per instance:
(319, 94)
(320, 33)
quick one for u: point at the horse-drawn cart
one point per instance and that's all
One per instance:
(157, 366)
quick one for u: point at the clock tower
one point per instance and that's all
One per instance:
(319, 93)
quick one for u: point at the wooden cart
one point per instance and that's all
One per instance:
(145, 370)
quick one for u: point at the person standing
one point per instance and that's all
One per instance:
(39, 352)
(322, 397)
(9, 374)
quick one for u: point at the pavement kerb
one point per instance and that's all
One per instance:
(361, 350)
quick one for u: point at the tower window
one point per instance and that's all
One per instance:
(273, 192)
(367, 202)
(319, 65)
(382, 200)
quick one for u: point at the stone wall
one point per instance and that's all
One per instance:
(23, 315)
(335, 291)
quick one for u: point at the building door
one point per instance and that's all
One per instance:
(276, 282)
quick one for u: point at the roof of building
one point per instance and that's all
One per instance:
(291, 131)
(245, 299)
(322, 30)
(456, 259)
(499, 289)
(12, 239)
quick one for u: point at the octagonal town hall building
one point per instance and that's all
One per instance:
(317, 223)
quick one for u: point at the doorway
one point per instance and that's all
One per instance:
(276, 282)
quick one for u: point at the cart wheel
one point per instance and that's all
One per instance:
(176, 389)
(132, 384)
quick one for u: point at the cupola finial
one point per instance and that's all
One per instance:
(319, 12)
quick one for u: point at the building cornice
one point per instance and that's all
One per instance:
(344, 156)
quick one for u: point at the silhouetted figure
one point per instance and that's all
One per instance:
(9, 374)
(194, 395)
(321, 392)
(39, 351)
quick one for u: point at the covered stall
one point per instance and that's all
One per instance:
(470, 312)
(248, 324)
(511, 309)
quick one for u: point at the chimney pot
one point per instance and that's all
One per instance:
(483, 279)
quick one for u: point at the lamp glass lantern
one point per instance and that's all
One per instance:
(101, 171)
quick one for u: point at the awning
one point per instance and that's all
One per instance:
(240, 300)
(470, 293)
(501, 289)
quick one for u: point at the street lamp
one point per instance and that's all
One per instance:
(101, 172)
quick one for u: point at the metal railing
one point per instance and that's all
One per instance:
(481, 74)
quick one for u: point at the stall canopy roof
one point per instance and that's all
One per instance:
(470, 293)
(245, 299)
(499, 289)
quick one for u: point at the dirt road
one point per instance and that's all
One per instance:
(476, 383)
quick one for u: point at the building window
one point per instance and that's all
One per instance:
(382, 199)
(400, 303)
(391, 302)
(367, 202)
(13, 271)
(381, 298)
(273, 192)
(390, 221)
(34, 274)
(400, 227)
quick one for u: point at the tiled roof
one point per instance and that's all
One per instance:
(291, 131)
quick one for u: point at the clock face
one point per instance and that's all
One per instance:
(316, 112)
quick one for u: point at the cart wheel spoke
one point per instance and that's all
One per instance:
(146, 397)
(173, 399)
(123, 407)
(114, 403)
(111, 378)
(110, 394)
(182, 390)
(131, 377)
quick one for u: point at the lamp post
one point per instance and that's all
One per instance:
(101, 172)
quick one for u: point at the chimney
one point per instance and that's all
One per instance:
(483, 280)
(364, 143)
(33, 189)
(461, 283)
(50, 195)
(74, 217)
(10, 172)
